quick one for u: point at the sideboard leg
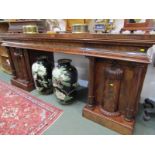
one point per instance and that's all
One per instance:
(11, 62)
(91, 97)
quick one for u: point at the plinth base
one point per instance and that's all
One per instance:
(116, 123)
(22, 84)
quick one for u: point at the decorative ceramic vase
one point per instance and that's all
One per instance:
(41, 71)
(64, 78)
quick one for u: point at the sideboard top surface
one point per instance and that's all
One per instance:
(84, 44)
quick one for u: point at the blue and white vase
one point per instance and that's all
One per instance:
(64, 79)
(41, 71)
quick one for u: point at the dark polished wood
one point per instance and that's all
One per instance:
(113, 77)
(4, 26)
(91, 97)
(20, 68)
(117, 70)
(17, 25)
(117, 87)
(147, 26)
(116, 123)
(4, 58)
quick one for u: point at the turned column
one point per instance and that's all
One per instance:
(91, 97)
(139, 71)
(11, 62)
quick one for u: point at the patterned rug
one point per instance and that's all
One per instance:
(23, 114)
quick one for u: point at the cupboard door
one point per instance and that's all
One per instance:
(112, 83)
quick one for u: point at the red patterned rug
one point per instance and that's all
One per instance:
(23, 114)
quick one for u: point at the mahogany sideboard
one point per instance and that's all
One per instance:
(117, 68)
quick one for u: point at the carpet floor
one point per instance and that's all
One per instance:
(23, 114)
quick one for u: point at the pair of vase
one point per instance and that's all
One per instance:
(62, 78)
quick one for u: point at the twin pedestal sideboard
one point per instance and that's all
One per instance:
(117, 68)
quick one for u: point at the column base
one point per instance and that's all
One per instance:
(28, 86)
(116, 123)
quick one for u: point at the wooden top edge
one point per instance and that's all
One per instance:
(77, 35)
(32, 41)
(139, 39)
(85, 51)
